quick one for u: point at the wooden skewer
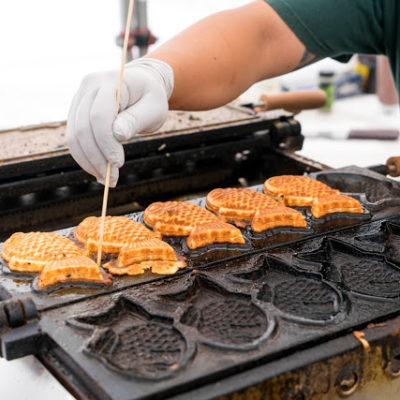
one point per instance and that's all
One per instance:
(103, 212)
(108, 172)
(125, 49)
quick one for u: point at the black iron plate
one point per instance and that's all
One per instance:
(18, 285)
(165, 338)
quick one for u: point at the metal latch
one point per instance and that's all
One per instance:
(20, 331)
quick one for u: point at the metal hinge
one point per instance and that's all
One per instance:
(286, 134)
(20, 332)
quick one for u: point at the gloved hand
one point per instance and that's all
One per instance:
(95, 129)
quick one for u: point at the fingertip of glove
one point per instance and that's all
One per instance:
(124, 126)
(114, 175)
(113, 183)
(120, 130)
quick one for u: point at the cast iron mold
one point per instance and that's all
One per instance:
(221, 318)
(361, 272)
(386, 240)
(300, 296)
(130, 340)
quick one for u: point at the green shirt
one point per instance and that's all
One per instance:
(339, 28)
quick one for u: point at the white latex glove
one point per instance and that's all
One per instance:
(95, 130)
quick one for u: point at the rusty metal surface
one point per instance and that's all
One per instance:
(348, 370)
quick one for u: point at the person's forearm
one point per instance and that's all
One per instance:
(219, 57)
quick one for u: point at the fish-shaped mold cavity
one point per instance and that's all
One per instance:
(302, 297)
(387, 240)
(130, 340)
(221, 318)
(361, 272)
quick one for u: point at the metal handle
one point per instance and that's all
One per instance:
(393, 166)
(293, 101)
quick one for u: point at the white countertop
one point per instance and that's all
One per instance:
(27, 379)
(326, 133)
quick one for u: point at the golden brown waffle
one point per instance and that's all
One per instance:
(157, 267)
(215, 232)
(146, 250)
(29, 252)
(138, 247)
(239, 205)
(303, 191)
(276, 218)
(118, 231)
(246, 206)
(176, 218)
(338, 203)
(296, 190)
(74, 269)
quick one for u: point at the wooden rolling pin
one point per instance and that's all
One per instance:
(292, 101)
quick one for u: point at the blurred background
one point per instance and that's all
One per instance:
(48, 46)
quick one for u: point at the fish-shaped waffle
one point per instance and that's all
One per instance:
(239, 205)
(157, 267)
(137, 257)
(247, 207)
(138, 248)
(335, 203)
(30, 252)
(74, 269)
(276, 218)
(214, 232)
(118, 231)
(301, 191)
(297, 190)
(176, 218)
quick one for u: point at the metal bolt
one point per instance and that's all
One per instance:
(393, 367)
(238, 157)
(348, 383)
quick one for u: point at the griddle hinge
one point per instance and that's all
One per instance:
(286, 134)
(20, 331)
